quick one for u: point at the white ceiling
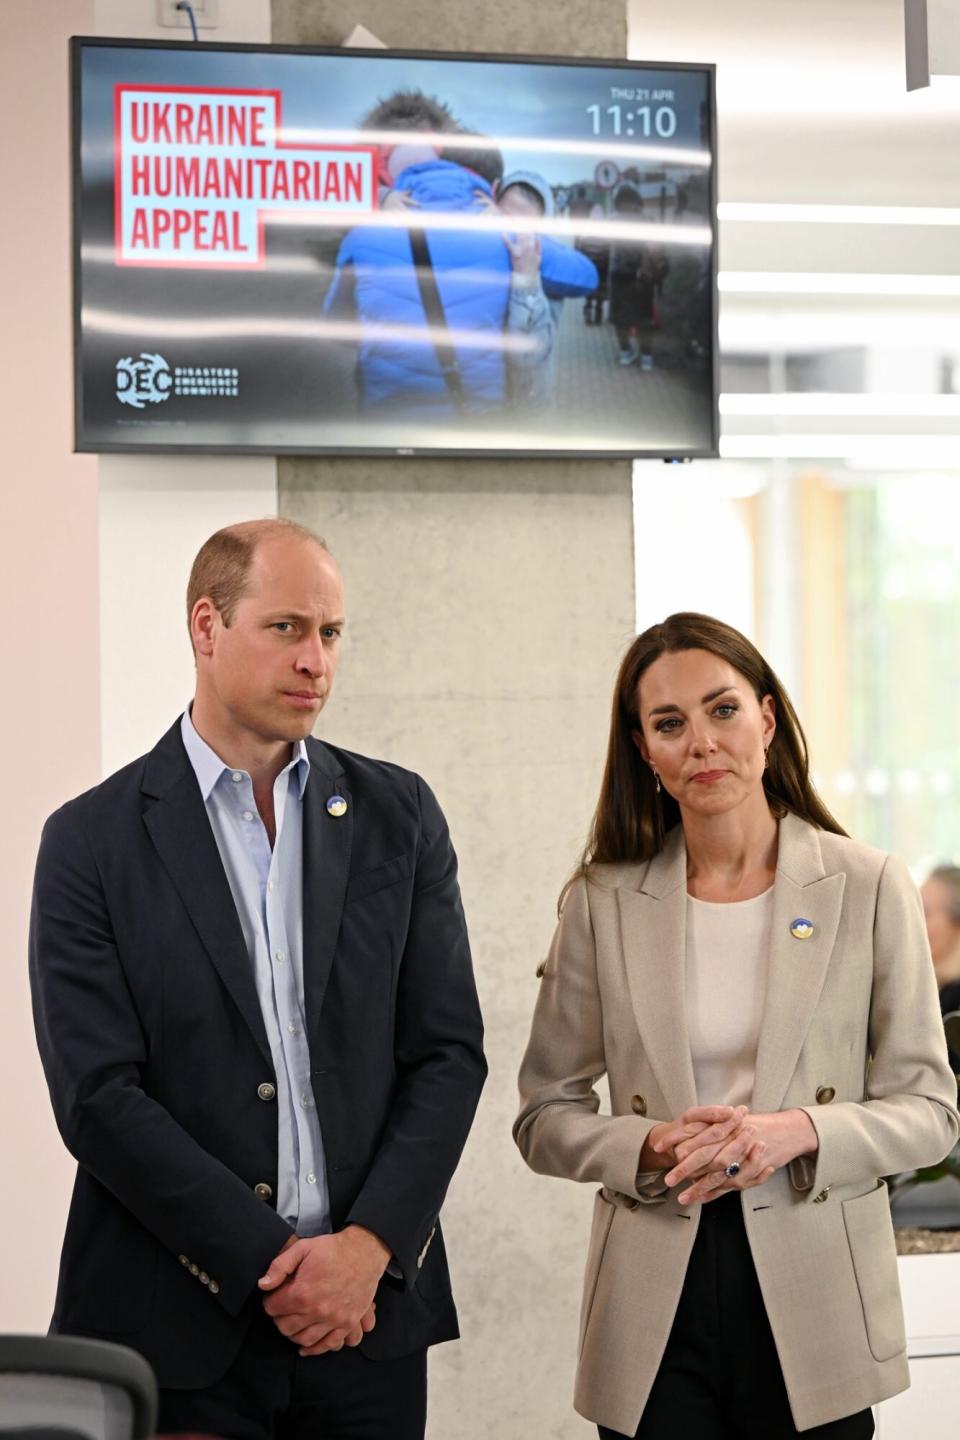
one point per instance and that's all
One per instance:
(812, 99)
(813, 108)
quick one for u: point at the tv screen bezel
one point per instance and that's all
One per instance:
(79, 43)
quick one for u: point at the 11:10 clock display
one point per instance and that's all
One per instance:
(644, 120)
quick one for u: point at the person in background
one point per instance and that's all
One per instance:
(597, 249)
(637, 273)
(257, 1017)
(940, 893)
(652, 270)
(756, 987)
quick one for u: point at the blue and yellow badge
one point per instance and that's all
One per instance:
(801, 929)
(336, 806)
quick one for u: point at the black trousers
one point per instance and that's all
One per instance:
(270, 1393)
(720, 1377)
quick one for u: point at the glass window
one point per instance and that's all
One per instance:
(849, 581)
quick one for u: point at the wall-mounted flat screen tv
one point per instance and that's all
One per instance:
(363, 251)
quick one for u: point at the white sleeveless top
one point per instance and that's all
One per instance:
(726, 981)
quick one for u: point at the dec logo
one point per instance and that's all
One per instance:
(146, 381)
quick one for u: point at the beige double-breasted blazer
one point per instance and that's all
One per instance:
(851, 1033)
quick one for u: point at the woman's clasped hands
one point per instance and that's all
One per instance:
(699, 1146)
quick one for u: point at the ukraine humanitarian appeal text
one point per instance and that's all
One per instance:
(198, 171)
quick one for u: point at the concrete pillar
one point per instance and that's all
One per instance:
(488, 603)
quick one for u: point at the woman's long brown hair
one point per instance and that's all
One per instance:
(631, 821)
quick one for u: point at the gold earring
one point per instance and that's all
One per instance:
(656, 778)
(766, 757)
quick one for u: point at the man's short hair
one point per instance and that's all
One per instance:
(410, 110)
(221, 570)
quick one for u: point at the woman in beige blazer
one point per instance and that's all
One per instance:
(758, 989)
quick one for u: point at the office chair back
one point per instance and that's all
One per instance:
(63, 1387)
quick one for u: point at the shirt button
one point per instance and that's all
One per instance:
(280, 957)
(266, 1091)
(292, 1029)
(270, 886)
(306, 1100)
(248, 814)
(236, 777)
(311, 1178)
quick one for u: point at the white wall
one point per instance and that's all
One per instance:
(48, 585)
(238, 20)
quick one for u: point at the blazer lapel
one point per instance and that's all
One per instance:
(327, 844)
(180, 830)
(653, 924)
(797, 967)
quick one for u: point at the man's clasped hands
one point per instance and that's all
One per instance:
(696, 1148)
(319, 1291)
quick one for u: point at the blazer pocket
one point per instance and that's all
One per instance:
(617, 1198)
(378, 878)
(603, 1213)
(873, 1250)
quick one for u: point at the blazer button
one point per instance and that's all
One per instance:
(819, 1199)
(825, 1094)
(204, 1278)
(638, 1105)
(184, 1259)
(263, 1191)
(266, 1091)
(194, 1269)
(214, 1288)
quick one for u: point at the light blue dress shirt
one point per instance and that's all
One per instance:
(267, 889)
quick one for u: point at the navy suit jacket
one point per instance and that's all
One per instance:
(154, 1049)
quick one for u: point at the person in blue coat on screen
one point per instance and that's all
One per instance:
(375, 280)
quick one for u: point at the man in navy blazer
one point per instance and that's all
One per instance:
(258, 1021)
